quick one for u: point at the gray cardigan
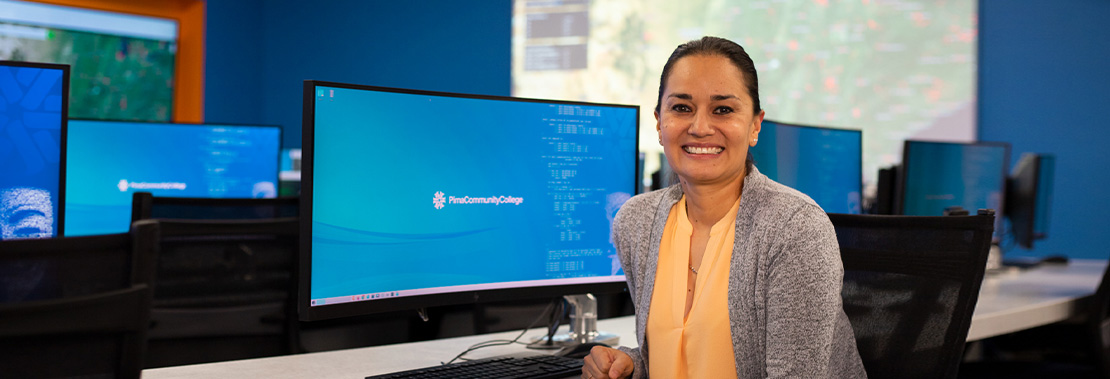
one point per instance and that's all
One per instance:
(785, 312)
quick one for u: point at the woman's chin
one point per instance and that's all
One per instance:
(704, 179)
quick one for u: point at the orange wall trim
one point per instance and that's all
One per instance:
(188, 91)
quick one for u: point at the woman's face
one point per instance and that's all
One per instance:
(705, 120)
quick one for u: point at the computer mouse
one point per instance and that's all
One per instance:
(578, 351)
(1058, 259)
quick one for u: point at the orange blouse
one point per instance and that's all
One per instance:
(701, 345)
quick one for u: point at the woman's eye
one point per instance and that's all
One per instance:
(722, 110)
(680, 108)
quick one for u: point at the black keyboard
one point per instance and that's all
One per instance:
(537, 367)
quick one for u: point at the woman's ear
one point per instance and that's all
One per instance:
(658, 128)
(757, 125)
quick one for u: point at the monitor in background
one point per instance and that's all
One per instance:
(664, 177)
(109, 160)
(413, 199)
(938, 175)
(289, 176)
(123, 64)
(33, 108)
(1029, 197)
(823, 163)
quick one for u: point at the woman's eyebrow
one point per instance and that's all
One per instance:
(686, 96)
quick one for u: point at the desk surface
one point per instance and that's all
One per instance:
(1023, 299)
(1008, 302)
(361, 362)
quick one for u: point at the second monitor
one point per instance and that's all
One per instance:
(1029, 197)
(939, 175)
(109, 160)
(823, 163)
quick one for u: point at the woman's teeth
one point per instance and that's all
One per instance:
(702, 150)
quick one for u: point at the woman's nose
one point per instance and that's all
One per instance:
(700, 126)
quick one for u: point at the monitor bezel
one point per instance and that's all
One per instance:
(307, 312)
(65, 68)
(900, 205)
(859, 133)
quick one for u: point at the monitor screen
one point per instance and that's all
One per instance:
(413, 199)
(109, 160)
(823, 163)
(33, 110)
(938, 175)
(1029, 197)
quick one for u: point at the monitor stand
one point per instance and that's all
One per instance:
(583, 326)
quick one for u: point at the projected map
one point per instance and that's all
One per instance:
(113, 77)
(895, 69)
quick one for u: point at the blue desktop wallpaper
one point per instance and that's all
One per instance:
(418, 191)
(939, 175)
(107, 161)
(824, 164)
(30, 151)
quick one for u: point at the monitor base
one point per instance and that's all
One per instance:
(583, 326)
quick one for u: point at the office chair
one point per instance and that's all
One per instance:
(76, 307)
(144, 205)
(910, 287)
(225, 290)
(315, 336)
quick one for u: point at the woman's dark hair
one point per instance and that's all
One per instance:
(719, 47)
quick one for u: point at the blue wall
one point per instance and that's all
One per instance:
(234, 35)
(1043, 87)
(273, 46)
(1041, 78)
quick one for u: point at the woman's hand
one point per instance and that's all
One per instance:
(606, 363)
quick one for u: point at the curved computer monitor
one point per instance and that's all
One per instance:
(110, 160)
(1029, 197)
(824, 163)
(937, 175)
(413, 199)
(34, 102)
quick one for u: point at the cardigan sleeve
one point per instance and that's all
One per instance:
(622, 237)
(803, 300)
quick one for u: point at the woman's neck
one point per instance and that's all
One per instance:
(708, 203)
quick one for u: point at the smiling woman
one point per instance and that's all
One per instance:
(706, 121)
(733, 274)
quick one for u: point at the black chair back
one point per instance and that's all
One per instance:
(225, 290)
(144, 205)
(76, 307)
(910, 288)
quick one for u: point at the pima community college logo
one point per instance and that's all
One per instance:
(439, 200)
